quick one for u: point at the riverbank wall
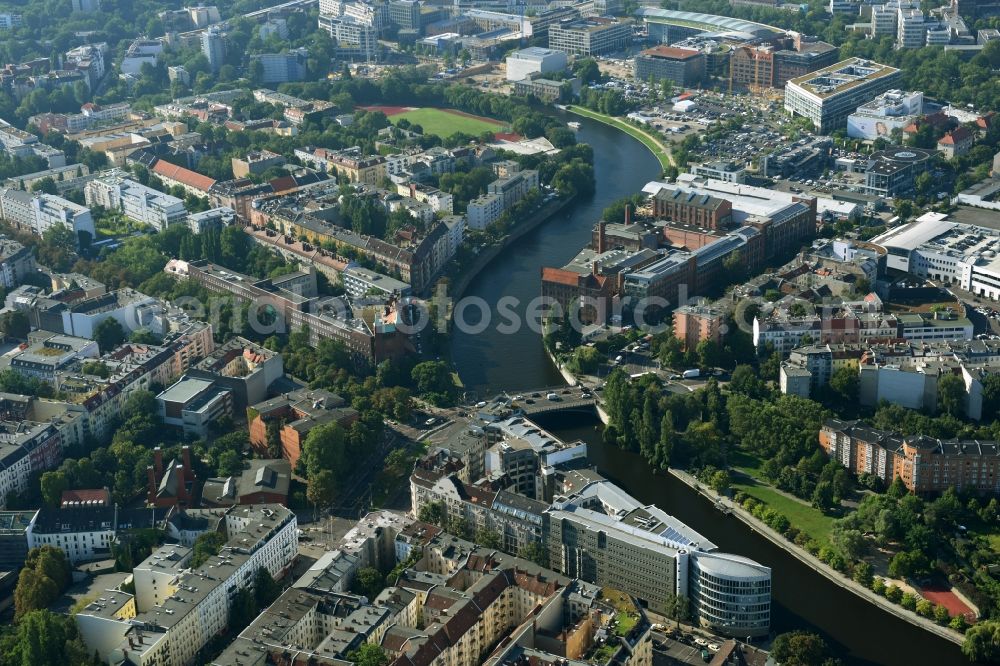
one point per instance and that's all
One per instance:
(813, 562)
(457, 288)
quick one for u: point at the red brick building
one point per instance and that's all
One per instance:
(294, 415)
(926, 465)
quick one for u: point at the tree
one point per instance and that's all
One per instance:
(536, 553)
(109, 334)
(44, 638)
(15, 324)
(822, 497)
(205, 546)
(44, 576)
(800, 648)
(369, 654)
(845, 382)
(941, 614)
(322, 488)
(368, 581)
(893, 593)
(585, 360)
(720, 481)
(53, 484)
(265, 588)
(982, 642)
(863, 573)
(432, 512)
(951, 395)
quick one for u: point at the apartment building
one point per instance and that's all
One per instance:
(924, 464)
(137, 202)
(697, 323)
(86, 533)
(171, 626)
(38, 213)
(368, 343)
(902, 373)
(281, 67)
(16, 262)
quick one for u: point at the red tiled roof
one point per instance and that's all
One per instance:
(670, 52)
(559, 276)
(957, 135)
(99, 495)
(182, 175)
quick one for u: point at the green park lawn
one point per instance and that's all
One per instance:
(806, 518)
(443, 124)
(659, 150)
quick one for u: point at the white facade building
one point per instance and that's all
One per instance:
(196, 602)
(484, 211)
(890, 111)
(534, 60)
(136, 201)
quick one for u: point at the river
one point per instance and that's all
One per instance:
(492, 361)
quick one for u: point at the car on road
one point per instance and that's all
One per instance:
(552, 396)
(431, 421)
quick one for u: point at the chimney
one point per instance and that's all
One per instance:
(158, 462)
(131, 643)
(182, 492)
(628, 215)
(186, 457)
(601, 229)
(151, 482)
(595, 268)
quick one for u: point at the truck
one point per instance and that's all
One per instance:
(691, 374)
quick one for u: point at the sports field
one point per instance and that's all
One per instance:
(443, 122)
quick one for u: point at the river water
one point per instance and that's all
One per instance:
(492, 361)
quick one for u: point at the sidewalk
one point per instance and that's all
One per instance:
(813, 562)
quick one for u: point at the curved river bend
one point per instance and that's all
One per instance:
(492, 361)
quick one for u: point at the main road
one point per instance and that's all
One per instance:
(493, 361)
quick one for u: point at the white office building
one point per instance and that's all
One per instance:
(888, 112)
(829, 95)
(931, 247)
(535, 60)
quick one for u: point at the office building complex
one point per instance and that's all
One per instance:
(683, 67)
(828, 96)
(535, 60)
(955, 253)
(533, 493)
(587, 37)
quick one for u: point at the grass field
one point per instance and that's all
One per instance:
(659, 150)
(444, 123)
(808, 519)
